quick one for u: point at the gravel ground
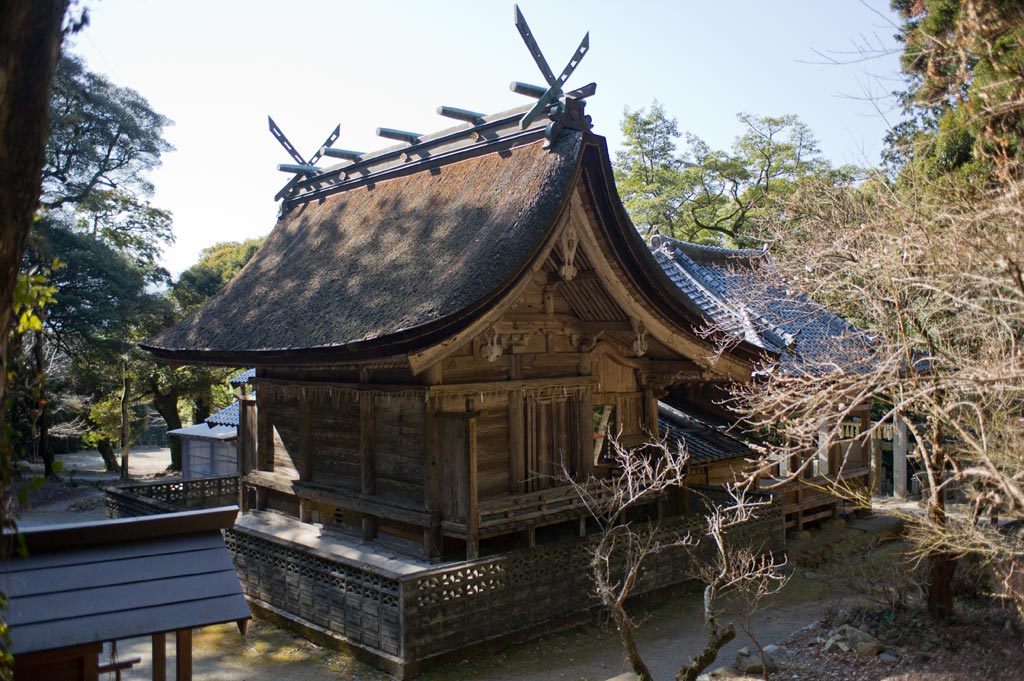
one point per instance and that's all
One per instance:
(77, 494)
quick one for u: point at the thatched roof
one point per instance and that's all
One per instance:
(385, 263)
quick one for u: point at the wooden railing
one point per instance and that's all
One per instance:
(550, 505)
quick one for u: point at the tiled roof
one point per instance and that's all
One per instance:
(705, 441)
(228, 416)
(737, 292)
(242, 378)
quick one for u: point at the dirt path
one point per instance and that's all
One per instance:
(590, 652)
(78, 496)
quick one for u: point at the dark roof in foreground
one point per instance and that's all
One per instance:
(385, 259)
(738, 291)
(705, 440)
(107, 580)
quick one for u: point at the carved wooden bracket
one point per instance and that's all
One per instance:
(569, 242)
(639, 338)
(492, 347)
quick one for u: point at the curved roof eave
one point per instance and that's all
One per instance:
(398, 343)
(636, 259)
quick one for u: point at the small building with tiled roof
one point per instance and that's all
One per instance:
(210, 449)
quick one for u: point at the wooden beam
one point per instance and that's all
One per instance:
(353, 501)
(498, 386)
(368, 460)
(183, 655)
(160, 657)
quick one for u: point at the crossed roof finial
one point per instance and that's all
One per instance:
(554, 91)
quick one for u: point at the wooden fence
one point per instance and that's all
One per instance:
(147, 498)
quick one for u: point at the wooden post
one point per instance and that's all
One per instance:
(899, 459)
(432, 539)
(305, 466)
(246, 444)
(160, 657)
(264, 439)
(516, 443)
(368, 467)
(651, 412)
(584, 437)
(183, 655)
(473, 507)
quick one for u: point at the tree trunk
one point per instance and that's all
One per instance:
(941, 564)
(166, 404)
(942, 567)
(126, 426)
(627, 632)
(202, 405)
(106, 450)
(43, 445)
(30, 38)
(718, 637)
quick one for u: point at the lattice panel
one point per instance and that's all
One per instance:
(359, 604)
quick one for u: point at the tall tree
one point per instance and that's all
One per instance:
(707, 195)
(929, 259)
(30, 36)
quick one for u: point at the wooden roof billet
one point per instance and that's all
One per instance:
(100, 581)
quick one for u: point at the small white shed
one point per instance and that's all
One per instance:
(208, 450)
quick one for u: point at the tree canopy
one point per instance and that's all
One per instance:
(706, 195)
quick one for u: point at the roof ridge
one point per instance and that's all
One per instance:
(706, 251)
(443, 145)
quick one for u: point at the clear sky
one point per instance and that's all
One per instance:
(218, 67)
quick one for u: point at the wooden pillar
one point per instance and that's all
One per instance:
(368, 461)
(246, 445)
(305, 465)
(264, 440)
(899, 458)
(432, 538)
(183, 655)
(584, 435)
(246, 433)
(160, 657)
(473, 507)
(650, 412)
(516, 443)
